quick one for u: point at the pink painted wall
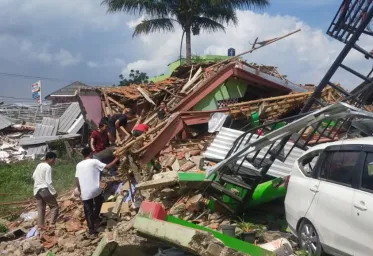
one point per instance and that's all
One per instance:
(92, 105)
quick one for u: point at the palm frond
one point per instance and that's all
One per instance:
(147, 7)
(220, 15)
(207, 24)
(240, 4)
(154, 25)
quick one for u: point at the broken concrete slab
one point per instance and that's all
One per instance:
(193, 240)
(107, 207)
(106, 246)
(160, 180)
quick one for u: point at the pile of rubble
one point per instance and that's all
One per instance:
(167, 165)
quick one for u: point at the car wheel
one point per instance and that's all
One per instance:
(309, 239)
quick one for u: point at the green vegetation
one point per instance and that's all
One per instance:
(192, 16)
(135, 77)
(16, 183)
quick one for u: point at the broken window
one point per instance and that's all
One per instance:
(308, 163)
(339, 167)
(367, 177)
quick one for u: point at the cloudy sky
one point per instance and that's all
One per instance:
(65, 41)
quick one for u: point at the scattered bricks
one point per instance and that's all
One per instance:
(10, 249)
(69, 247)
(37, 246)
(194, 204)
(17, 253)
(187, 166)
(195, 152)
(178, 209)
(26, 247)
(85, 243)
(213, 226)
(77, 214)
(176, 166)
(111, 223)
(180, 155)
(168, 193)
(73, 226)
(169, 161)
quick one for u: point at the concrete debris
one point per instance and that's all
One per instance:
(163, 169)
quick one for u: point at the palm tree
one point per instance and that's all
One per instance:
(192, 15)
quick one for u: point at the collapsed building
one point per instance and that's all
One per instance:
(232, 133)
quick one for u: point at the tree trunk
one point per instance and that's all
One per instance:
(188, 46)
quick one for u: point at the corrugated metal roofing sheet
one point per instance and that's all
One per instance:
(4, 122)
(77, 125)
(223, 142)
(48, 127)
(45, 139)
(69, 117)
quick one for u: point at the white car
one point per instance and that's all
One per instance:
(329, 200)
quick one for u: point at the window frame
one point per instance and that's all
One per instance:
(356, 169)
(314, 154)
(367, 149)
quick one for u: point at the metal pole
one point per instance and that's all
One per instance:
(41, 102)
(338, 61)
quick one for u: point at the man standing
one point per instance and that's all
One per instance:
(99, 138)
(87, 178)
(44, 191)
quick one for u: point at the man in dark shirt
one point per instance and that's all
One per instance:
(163, 111)
(99, 138)
(115, 122)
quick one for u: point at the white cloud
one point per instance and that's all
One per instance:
(133, 23)
(65, 58)
(304, 57)
(92, 64)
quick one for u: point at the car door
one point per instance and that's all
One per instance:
(331, 210)
(362, 215)
(301, 188)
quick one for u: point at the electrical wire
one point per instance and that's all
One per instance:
(16, 98)
(50, 78)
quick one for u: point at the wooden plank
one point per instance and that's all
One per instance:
(110, 112)
(192, 81)
(104, 107)
(146, 96)
(115, 102)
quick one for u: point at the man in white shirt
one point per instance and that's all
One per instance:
(44, 191)
(87, 178)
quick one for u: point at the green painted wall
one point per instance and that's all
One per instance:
(230, 89)
(195, 59)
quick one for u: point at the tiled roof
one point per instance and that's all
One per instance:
(68, 90)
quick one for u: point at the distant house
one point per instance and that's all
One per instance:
(66, 94)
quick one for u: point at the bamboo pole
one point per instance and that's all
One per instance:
(268, 42)
(129, 144)
(108, 104)
(116, 102)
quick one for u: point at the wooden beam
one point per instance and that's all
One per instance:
(115, 102)
(110, 112)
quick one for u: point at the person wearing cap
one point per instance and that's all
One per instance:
(44, 192)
